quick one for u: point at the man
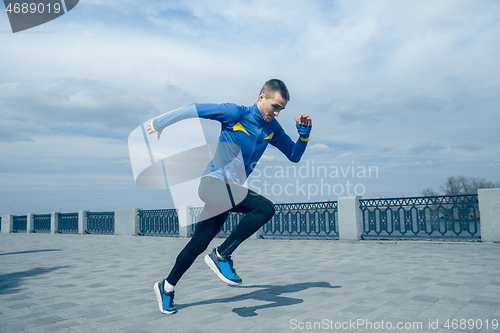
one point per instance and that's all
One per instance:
(245, 134)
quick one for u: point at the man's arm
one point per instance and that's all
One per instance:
(150, 129)
(223, 113)
(157, 124)
(294, 151)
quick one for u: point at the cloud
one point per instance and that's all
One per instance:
(405, 164)
(377, 76)
(319, 149)
(380, 108)
(16, 131)
(467, 146)
(266, 158)
(65, 153)
(427, 147)
(355, 156)
(69, 105)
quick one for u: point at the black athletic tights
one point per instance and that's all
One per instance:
(214, 192)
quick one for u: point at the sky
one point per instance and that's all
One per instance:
(402, 94)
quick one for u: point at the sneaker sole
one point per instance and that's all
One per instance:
(160, 301)
(210, 263)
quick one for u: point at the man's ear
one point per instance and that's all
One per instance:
(262, 96)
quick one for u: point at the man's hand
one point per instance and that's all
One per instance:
(304, 126)
(151, 131)
(303, 119)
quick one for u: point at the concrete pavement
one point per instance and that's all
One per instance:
(73, 283)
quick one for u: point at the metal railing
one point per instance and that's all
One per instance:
(317, 220)
(231, 221)
(41, 223)
(437, 217)
(67, 223)
(20, 223)
(100, 223)
(159, 222)
(314, 220)
(195, 215)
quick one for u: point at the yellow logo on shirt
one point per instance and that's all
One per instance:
(269, 136)
(238, 127)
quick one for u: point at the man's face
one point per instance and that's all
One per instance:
(270, 107)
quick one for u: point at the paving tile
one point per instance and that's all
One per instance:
(64, 305)
(104, 284)
(45, 320)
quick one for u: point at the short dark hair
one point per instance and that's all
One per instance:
(273, 86)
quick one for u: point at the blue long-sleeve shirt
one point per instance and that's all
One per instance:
(243, 139)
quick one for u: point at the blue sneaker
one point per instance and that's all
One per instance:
(223, 268)
(165, 300)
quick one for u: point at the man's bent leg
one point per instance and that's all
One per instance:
(205, 232)
(258, 211)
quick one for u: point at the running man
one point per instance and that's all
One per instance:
(245, 134)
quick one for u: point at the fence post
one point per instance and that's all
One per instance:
(489, 211)
(350, 218)
(185, 221)
(82, 221)
(127, 221)
(54, 222)
(29, 223)
(7, 224)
